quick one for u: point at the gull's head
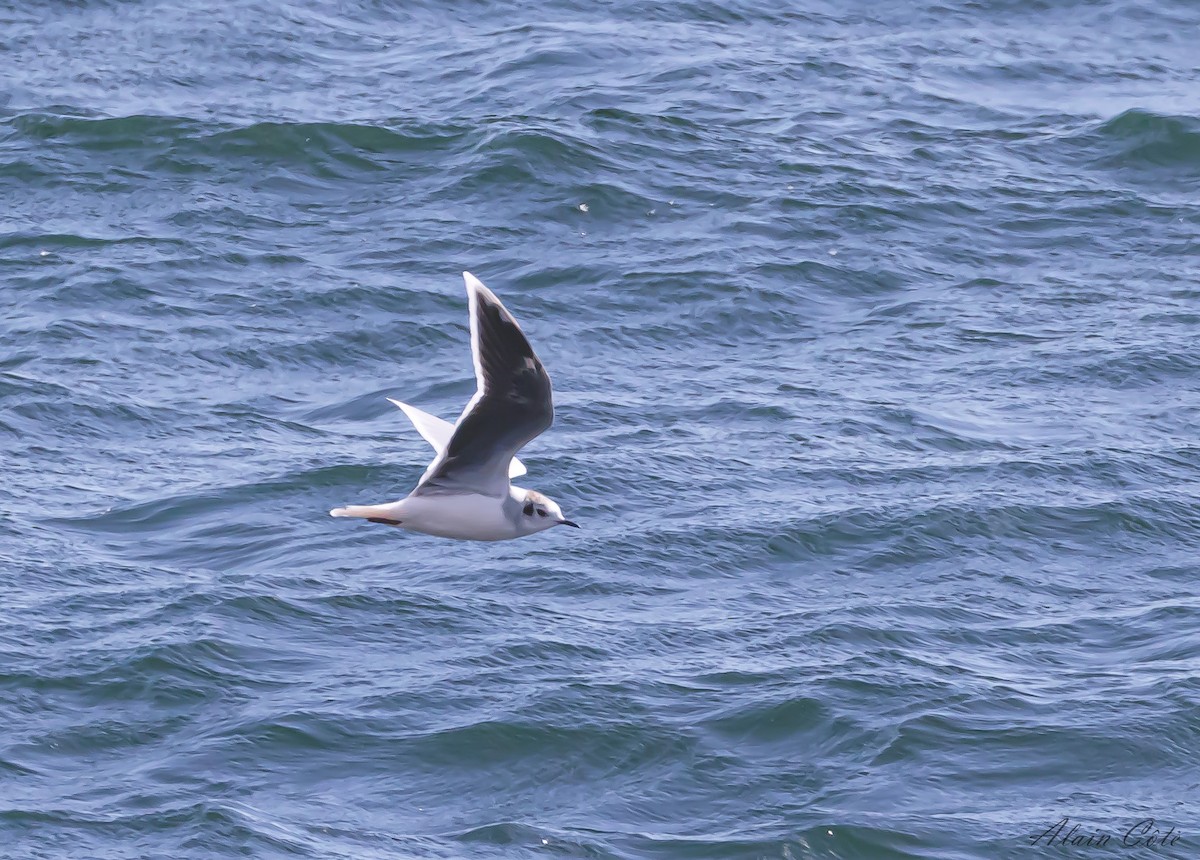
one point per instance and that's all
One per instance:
(539, 512)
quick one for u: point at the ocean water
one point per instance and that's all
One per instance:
(873, 329)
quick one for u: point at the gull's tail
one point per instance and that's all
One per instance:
(367, 512)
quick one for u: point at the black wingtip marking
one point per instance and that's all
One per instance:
(510, 366)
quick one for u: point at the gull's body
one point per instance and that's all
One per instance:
(464, 516)
(465, 493)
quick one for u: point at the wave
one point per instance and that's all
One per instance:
(1156, 150)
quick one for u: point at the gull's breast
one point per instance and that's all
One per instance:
(465, 516)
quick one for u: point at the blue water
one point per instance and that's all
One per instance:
(873, 333)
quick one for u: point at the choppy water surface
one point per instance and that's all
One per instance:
(873, 329)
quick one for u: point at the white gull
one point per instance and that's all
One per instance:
(465, 493)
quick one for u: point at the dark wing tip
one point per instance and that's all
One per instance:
(479, 289)
(499, 345)
(508, 368)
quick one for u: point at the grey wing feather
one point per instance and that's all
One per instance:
(512, 404)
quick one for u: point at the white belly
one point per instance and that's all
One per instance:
(465, 517)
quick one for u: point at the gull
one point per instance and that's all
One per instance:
(465, 492)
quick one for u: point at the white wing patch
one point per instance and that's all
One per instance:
(437, 432)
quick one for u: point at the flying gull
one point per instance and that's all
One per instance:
(465, 493)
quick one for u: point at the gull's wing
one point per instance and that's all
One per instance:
(512, 404)
(437, 432)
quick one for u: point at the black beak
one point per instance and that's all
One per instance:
(568, 523)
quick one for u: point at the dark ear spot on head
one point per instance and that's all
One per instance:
(529, 509)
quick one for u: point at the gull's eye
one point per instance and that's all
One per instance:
(541, 513)
(529, 509)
